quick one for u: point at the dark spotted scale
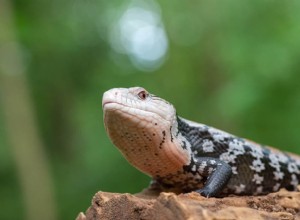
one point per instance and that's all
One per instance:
(254, 169)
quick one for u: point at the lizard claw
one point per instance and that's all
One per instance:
(204, 192)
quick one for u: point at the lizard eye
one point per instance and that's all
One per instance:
(143, 95)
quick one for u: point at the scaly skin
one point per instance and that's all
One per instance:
(188, 156)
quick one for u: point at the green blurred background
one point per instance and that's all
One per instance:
(230, 64)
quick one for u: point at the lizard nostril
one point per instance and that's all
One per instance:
(116, 93)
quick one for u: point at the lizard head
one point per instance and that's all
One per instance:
(137, 102)
(142, 127)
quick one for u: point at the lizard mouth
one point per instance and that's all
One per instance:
(110, 105)
(107, 103)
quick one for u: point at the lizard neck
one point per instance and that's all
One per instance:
(148, 142)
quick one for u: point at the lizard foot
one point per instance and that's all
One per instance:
(206, 192)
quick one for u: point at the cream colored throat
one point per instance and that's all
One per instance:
(146, 142)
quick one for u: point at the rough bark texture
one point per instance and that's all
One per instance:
(152, 205)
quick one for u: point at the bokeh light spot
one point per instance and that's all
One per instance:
(139, 33)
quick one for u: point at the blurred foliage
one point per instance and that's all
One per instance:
(230, 64)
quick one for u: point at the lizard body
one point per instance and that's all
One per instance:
(181, 154)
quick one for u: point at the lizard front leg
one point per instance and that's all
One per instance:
(217, 172)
